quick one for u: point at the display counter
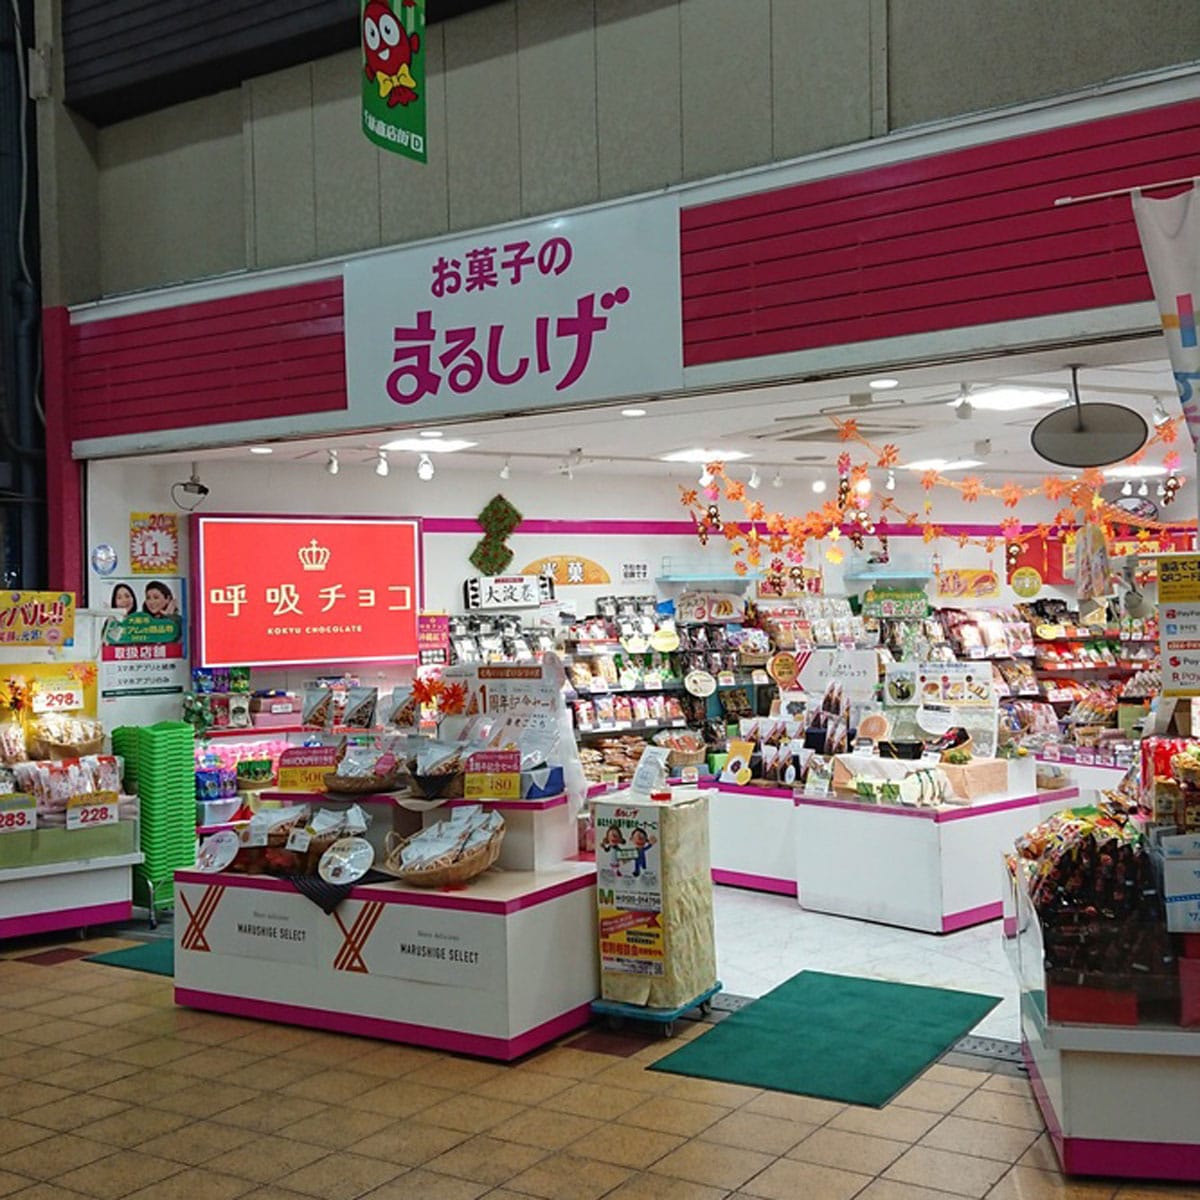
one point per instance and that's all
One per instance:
(1118, 1099)
(751, 837)
(930, 869)
(496, 968)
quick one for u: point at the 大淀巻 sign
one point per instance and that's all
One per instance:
(507, 591)
(393, 75)
(277, 591)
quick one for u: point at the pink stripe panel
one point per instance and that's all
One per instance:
(66, 918)
(513, 805)
(886, 810)
(614, 526)
(980, 810)
(756, 883)
(432, 899)
(971, 916)
(738, 790)
(505, 1049)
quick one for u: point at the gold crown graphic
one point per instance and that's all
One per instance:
(313, 557)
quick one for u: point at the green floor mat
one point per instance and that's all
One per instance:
(157, 957)
(859, 1041)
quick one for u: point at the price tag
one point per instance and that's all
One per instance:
(726, 679)
(1105, 760)
(977, 652)
(57, 695)
(18, 813)
(493, 775)
(760, 677)
(689, 774)
(653, 681)
(98, 808)
(598, 684)
(303, 769)
(931, 758)
(1052, 753)
(1084, 757)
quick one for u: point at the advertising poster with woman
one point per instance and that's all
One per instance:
(145, 649)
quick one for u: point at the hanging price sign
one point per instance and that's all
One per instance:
(57, 695)
(303, 768)
(96, 808)
(18, 813)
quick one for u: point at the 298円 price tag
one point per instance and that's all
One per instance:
(57, 695)
(18, 813)
(96, 808)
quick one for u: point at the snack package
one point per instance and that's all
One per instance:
(404, 710)
(359, 712)
(12, 741)
(239, 679)
(317, 712)
(239, 710)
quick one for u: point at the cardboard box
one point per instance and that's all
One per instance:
(1179, 845)
(275, 704)
(1181, 890)
(980, 777)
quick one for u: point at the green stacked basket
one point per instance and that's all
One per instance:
(165, 765)
(124, 743)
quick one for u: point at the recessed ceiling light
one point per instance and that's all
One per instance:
(633, 412)
(1008, 398)
(883, 385)
(818, 486)
(261, 450)
(417, 446)
(698, 455)
(1161, 417)
(863, 486)
(1140, 471)
(431, 433)
(942, 464)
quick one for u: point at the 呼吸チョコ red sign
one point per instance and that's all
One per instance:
(293, 590)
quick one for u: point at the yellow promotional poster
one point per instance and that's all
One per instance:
(37, 618)
(632, 942)
(154, 543)
(967, 585)
(493, 775)
(569, 570)
(1179, 579)
(303, 768)
(1179, 624)
(30, 690)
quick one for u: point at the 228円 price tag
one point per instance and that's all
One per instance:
(95, 808)
(18, 813)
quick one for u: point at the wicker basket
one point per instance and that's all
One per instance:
(752, 658)
(687, 758)
(40, 748)
(463, 870)
(363, 785)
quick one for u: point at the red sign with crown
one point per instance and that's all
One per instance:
(283, 591)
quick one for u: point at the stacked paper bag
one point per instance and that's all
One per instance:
(654, 888)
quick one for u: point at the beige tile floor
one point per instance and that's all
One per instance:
(107, 1090)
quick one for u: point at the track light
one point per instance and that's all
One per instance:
(332, 466)
(1127, 488)
(506, 470)
(705, 477)
(777, 482)
(425, 468)
(1144, 490)
(891, 481)
(755, 480)
(381, 464)
(1161, 417)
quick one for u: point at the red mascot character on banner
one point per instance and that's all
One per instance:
(388, 51)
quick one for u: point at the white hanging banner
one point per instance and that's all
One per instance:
(1170, 234)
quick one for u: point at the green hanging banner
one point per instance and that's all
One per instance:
(393, 84)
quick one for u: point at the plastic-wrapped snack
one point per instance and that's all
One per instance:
(317, 712)
(105, 770)
(239, 710)
(405, 709)
(360, 708)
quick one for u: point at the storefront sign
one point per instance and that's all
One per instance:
(433, 639)
(956, 584)
(580, 308)
(99, 808)
(856, 671)
(895, 602)
(493, 593)
(960, 685)
(37, 618)
(303, 768)
(1179, 624)
(144, 653)
(569, 570)
(276, 591)
(493, 775)
(629, 889)
(393, 75)
(154, 543)
(18, 813)
(525, 697)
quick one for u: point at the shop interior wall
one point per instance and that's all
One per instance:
(537, 106)
(117, 488)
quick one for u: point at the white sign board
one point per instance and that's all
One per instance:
(563, 311)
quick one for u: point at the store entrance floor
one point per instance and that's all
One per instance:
(108, 1091)
(763, 940)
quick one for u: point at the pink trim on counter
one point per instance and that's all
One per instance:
(1042, 1096)
(889, 810)
(431, 899)
(756, 883)
(66, 918)
(971, 916)
(512, 805)
(738, 789)
(979, 810)
(451, 1040)
(602, 789)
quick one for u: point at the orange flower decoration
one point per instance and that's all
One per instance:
(963, 539)
(1168, 432)
(754, 558)
(454, 698)
(732, 530)
(889, 456)
(972, 488)
(990, 544)
(740, 567)
(735, 490)
(690, 497)
(775, 523)
(1011, 494)
(848, 429)
(1093, 477)
(1054, 488)
(776, 544)
(858, 472)
(755, 510)
(715, 469)
(1064, 516)
(1010, 527)
(427, 691)
(931, 533)
(929, 480)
